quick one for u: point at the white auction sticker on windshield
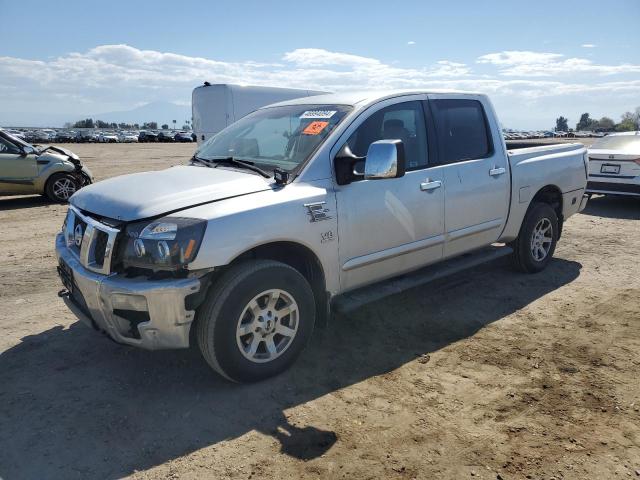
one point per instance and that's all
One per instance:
(318, 114)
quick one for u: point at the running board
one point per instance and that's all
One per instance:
(357, 298)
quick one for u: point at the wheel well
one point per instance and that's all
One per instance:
(304, 261)
(553, 196)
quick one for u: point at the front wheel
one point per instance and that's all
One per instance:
(536, 242)
(60, 187)
(256, 320)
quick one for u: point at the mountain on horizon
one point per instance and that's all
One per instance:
(161, 112)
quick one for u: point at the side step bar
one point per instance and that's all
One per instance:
(355, 299)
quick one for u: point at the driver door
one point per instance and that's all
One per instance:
(17, 171)
(387, 227)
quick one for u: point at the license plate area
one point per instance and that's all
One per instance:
(610, 168)
(66, 275)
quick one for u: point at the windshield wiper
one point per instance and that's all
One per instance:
(202, 161)
(240, 163)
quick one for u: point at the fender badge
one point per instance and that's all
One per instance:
(317, 211)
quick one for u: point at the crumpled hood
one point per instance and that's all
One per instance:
(61, 151)
(53, 152)
(148, 194)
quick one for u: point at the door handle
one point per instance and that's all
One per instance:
(429, 185)
(497, 171)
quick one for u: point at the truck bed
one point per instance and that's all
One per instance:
(560, 167)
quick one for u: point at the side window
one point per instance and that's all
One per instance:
(403, 121)
(8, 147)
(461, 129)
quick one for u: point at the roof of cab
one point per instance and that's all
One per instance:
(360, 97)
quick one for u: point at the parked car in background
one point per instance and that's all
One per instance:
(26, 169)
(33, 136)
(183, 137)
(286, 211)
(147, 136)
(108, 137)
(127, 137)
(86, 136)
(165, 137)
(64, 136)
(614, 164)
(18, 134)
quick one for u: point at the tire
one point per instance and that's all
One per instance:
(86, 180)
(531, 254)
(234, 341)
(60, 187)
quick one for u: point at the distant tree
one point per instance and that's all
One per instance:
(626, 125)
(562, 124)
(605, 124)
(585, 123)
(165, 126)
(631, 119)
(101, 124)
(87, 123)
(186, 126)
(150, 125)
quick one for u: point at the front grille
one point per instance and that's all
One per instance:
(90, 240)
(101, 244)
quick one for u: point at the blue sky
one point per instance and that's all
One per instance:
(536, 59)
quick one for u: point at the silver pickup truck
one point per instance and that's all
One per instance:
(290, 210)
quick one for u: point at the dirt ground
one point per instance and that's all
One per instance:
(487, 374)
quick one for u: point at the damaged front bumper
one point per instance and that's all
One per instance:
(150, 314)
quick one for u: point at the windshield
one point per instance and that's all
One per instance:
(628, 143)
(283, 137)
(15, 140)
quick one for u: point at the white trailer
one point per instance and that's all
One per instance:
(216, 106)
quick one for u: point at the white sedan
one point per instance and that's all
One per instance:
(128, 137)
(614, 165)
(108, 138)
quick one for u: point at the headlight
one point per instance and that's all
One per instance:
(169, 243)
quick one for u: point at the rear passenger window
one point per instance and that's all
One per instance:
(402, 121)
(462, 131)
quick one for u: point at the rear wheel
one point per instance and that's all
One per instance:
(536, 242)
(256, 321)
(60, 187)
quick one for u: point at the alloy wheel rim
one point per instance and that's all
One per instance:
(267, 326)
(64, 188)
(541, 239)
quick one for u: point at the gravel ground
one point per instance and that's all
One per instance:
(486, 374)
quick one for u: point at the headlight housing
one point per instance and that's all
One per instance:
(165, 244)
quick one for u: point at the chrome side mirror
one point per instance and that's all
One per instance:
(385, 159)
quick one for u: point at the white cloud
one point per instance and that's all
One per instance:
(118, 77)
(539, 64)
(588, 45)
(411, 42)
